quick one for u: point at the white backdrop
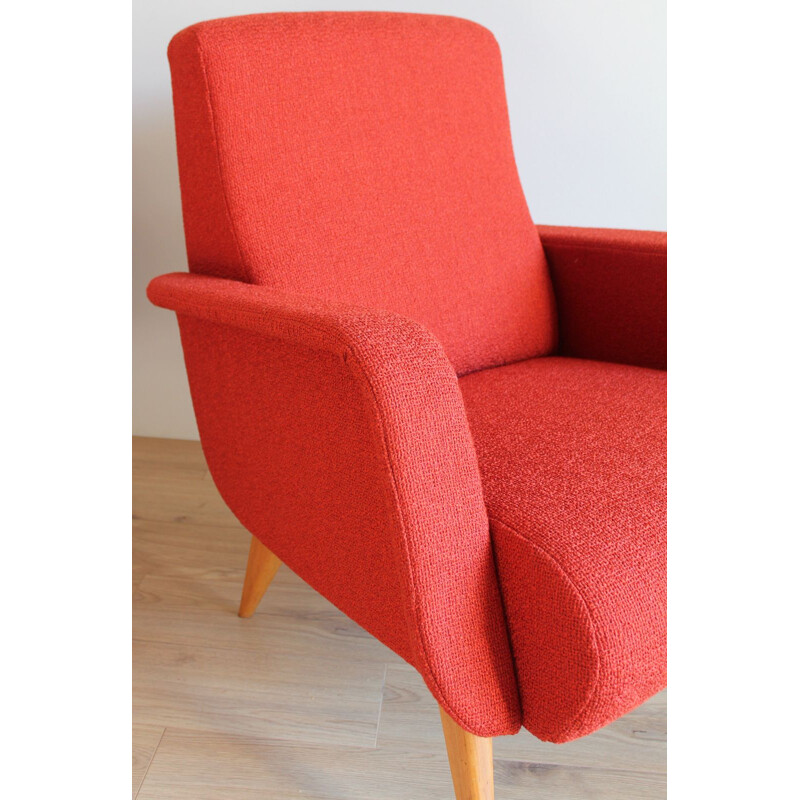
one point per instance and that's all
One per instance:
(586, 85)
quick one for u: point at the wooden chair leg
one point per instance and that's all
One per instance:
(262, 565)
(470, 761)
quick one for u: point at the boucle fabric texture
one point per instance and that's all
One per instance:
(365, 158)
(338, 437)
(572, 454)
(359, 238)
(611, 290)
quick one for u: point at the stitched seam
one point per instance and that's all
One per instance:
(504, 610)
(215, 139)
(593, 625)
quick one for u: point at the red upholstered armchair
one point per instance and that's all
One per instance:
(448, 422)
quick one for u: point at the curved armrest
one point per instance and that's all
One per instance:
(611, 292)
(338, 437)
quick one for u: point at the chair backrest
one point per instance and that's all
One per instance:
(363, 158)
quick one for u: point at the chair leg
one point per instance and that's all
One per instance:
(470, 761)
(262, 565)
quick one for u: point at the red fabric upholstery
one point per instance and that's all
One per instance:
(611, 293)
(365, 158)
(337, 436)
(572, 454)
(359, 237)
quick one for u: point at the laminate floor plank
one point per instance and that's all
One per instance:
(193, 765)
(180, 455)
(260, 693)
(167, 499)
(292, 617)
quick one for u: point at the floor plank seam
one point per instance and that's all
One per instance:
(155, 750)
(380, 705)
(181, 520)
(549, 765)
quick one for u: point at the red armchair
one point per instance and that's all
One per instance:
(448, 423)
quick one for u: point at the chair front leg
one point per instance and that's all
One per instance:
(262, 564)
(470, 759)
(470, 756)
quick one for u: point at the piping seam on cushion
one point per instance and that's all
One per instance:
(592, 693)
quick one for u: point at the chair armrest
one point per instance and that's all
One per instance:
(338, 437)
(611, 293)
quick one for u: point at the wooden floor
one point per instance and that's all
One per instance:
(299, 702)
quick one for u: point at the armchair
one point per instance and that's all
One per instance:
(403, 390)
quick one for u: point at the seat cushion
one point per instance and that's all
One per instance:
(572, 455)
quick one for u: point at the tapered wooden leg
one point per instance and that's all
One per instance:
(470, 761)
(262, 565)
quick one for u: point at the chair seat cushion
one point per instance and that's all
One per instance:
(572, 455)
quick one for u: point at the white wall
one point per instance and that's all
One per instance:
(586, 84)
